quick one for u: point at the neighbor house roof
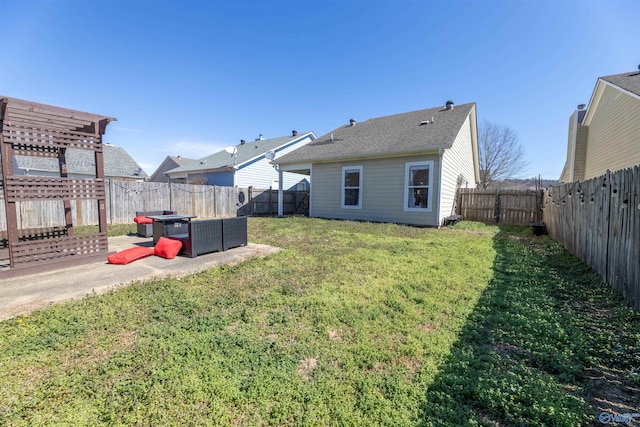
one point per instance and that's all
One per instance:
(117, 163)
(627, 81)
(245, 152)
(388, 135)
(170, 162)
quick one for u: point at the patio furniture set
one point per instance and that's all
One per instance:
(194, 237)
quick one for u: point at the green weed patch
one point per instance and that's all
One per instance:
(350, 324)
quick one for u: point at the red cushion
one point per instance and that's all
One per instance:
(167, 248)
(142, 220)
(130, 255)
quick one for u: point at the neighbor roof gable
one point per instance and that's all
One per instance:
(628, 83)
(170, 162)
(388, 135)
(246, 152)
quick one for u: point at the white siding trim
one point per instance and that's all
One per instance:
(407, 169)
(360, 187)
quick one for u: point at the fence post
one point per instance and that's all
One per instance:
(215, 201)
(496, 215)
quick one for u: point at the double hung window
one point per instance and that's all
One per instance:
(351, 187)
(418, 183)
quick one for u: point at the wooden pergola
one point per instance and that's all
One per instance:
(31, 129)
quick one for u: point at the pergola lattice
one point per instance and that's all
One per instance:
(31, 129)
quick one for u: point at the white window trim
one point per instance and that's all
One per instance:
(342, 188)
(407, 168)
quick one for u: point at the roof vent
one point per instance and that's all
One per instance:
(582, 106)
(242, 142)
(294, 133)
(449, 105)
(260, 138)
(352, 122)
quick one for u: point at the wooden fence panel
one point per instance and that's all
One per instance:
(477, 205)
(509, 207)
(124, 198)
(599, 221)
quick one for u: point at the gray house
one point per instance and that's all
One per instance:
(403, 168)
(247, 164)
(81, 164)
(171, 162)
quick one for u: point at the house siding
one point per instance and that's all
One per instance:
(382, 191)
(456, 161)
(581, 153)
(223, 179)
(614, 134)
(261, 174)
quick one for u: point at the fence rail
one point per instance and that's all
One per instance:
(509, 207)
(124, 198)
(599, 221)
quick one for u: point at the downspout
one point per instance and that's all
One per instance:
(441, 155)
(280, 193)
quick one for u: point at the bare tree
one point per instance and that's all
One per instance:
(500, 153)
(198, 180)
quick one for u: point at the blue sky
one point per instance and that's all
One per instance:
(189, 78)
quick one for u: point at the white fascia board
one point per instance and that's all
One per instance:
(597, 94)
(474, 143)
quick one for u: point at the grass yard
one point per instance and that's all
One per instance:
(351, 324)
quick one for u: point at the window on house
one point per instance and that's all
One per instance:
(418, 186)
(352, 187)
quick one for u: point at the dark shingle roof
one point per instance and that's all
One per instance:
(627, 81)
(117, 163)
(389, 135)
(246, 152)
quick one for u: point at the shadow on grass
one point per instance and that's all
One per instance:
(547, 344)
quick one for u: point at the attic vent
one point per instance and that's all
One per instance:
(352, 122)
(449, 105)
(260, 138)
(428, 122)
(294, 132)
(242, 141)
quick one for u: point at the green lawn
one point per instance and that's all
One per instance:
(351, 324)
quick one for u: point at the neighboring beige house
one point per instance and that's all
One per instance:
(403, 168)
(171, 162)
(606, 134)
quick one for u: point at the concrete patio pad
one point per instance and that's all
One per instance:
(21, 295)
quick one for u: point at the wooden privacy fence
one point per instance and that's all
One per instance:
(509, 207)
(124, 198)
(599, 221)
